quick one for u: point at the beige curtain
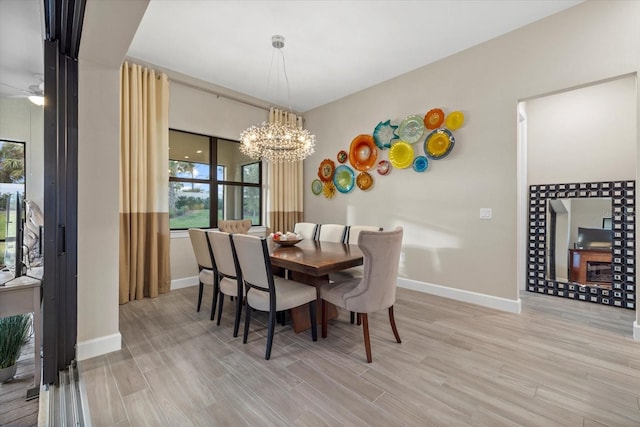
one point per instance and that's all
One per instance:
(285, 196)
(144, 176)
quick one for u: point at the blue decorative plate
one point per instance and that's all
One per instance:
(384, 134)
(316, 186)
(420, 164)
(344, 178)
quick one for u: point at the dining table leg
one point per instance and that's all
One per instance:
(300, 317)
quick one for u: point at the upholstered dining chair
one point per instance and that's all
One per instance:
(376, 290)
(305, 229)
(266, 292)
(235, 226)
(331, 233)
(229, 281)
(206, 264)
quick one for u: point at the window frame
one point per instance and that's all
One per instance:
(214, 182)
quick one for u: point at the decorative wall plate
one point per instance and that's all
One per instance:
(434, 118)
(364, 181)
(326, 169)
(363, 152)
(401, 154)
(344, 178)
(384, 167)
(439, 144)
(328, 189)
(316, 186)
(420, 164)
(454, 120)
(411, 129)
(342, 156)
(384, 134)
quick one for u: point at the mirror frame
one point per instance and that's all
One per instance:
(623, 288)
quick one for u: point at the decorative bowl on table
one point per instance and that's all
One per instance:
(286, 239)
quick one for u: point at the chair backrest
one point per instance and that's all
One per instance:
(222, 253)
(353, 233)
(305, 229)
(253, 258)
(377, 289)
(235, 226)
(331, 233)
(201, 248)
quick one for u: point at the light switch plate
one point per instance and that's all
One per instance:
(486, 213)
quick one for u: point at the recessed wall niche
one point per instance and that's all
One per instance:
(621, 293)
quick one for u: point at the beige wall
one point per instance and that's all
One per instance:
(583, 135)
(445, 242)
(21, 120)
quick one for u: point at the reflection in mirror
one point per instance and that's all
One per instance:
(579, 241)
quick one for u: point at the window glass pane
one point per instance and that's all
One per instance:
(188, 205)
(229, 202)
(251, 204)
(232, 159)
(251, 173)
(12, 179)
(188, 155)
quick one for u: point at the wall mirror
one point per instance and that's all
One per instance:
(582, 241)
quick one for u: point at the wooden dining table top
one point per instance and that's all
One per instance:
(315, 258)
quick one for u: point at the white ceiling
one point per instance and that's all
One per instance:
(332, 48)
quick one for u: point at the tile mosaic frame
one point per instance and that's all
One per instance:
(623, 287)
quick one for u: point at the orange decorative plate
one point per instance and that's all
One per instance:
(439, 144)
(363, 152)
(364, 181)
(326, 169)
(401, 155)
(434, 118)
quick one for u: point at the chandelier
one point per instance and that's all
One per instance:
(278, 140)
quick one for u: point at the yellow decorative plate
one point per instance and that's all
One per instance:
(401, 154)
(454, 120)
(439, 144)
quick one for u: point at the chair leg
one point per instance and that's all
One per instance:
(200, 296)
(236, 324)
(220, 303)
(270, 331)
(214, 301)
(325, 315)
(314, 320)
(365, 331)
(352, 317)
(247, 320)
(392, 320)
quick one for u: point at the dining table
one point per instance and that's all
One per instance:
(310, 262)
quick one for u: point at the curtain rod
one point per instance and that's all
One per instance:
(192, 86)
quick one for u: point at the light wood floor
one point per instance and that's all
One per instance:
(558, 363)
(14, 409)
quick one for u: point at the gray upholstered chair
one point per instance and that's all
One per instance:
(235, 226)
(229, 282)
(376, 290)
(206, 264)
(331, 233)
(266, 292)
(305, 229)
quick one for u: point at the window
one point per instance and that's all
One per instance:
(12, 181)
(237, 182)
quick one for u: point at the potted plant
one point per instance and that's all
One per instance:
(14, 331)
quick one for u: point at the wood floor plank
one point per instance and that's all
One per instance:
(458, 365)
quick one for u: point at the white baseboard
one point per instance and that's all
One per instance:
(98, 346)
(636, 330)
(503, 304)
(184, 282)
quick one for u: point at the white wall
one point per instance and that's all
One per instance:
(21, 120)
(583, 135)
(445, 243)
